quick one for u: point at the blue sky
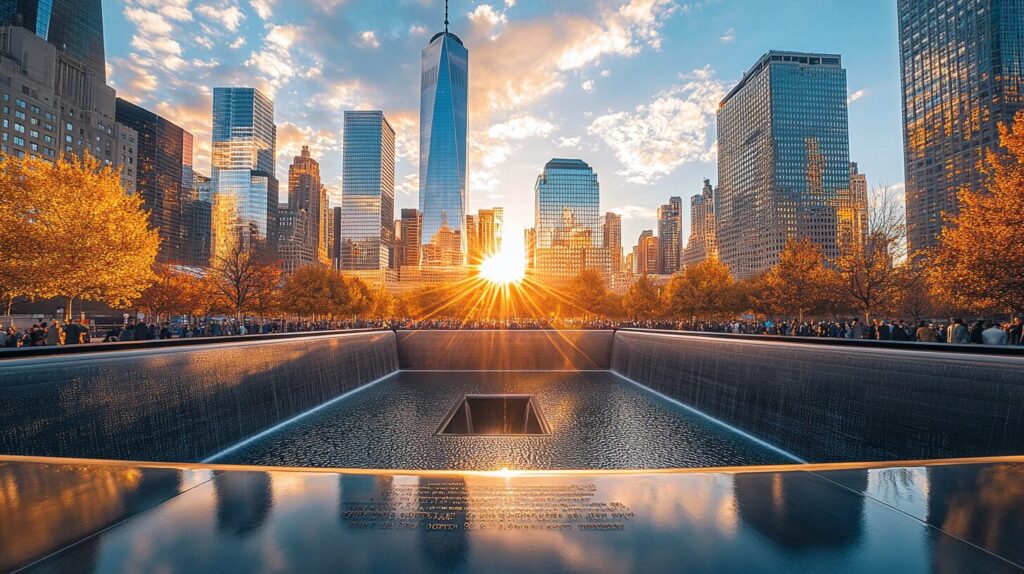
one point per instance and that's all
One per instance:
(630, 86)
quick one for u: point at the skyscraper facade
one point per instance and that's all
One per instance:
(306, 193)
(852, 213)
(611, 227)
(963, 74)
(490, 224)
(703, 242)
(244, 149)
(444, 90)
(368, 191)
(410, 238)
(567, 221)
(783, 158)
(55, 97)
(161, 163)
(302, 221)
(73, 26)
(670, 235)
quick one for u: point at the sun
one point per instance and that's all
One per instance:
(503, 268)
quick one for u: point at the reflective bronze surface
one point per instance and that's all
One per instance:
(120, 518)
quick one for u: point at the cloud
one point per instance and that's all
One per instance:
(854, 96)
(572, 142)
(274, 61)
(673, 128)
(264, 8)
(635, 212)
(587, 85)
(487, 17)
(368, 39)
(228, 14)
(729, 35)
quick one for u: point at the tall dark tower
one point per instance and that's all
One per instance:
(75, 26)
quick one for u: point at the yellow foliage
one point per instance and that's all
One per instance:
(68, 229)
(979, 265)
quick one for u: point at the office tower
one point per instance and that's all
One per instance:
(410, 238)
(73, 26)
(670, 235)
(336, 215)
(188, 173)
(530, 245)
(162, 161)
(204, 186)
(55, 97)
(244, 148)
(703, 242)
(443, 199)
(302, 233)
(611, 227)
(489, 229)
(126, 142)
(473, 255)
(963, 75)
(301, 241)
(567, 220)
(368, 191)
(197, 219)
(647, 254)
(783, 157)
(852, 213)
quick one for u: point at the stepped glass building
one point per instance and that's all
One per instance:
(963, 75)
(244, 152)
(783, 158)
(444, 89)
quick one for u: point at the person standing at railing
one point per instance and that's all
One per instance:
(994, 335)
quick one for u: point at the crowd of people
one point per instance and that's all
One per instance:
(955, 331)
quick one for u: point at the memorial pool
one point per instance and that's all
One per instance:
(597, 420)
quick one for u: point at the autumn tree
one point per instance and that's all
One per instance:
(588, 294)
(798, 283)
(314, 292)
(172, 293)
(870, 273)
(245, 278)
(642, 300)
(705, 289)
(979, 265)
(68, 229)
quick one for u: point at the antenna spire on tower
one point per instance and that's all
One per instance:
(446, 16)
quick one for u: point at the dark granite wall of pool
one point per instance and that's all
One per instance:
(178, 404)
(831, 404)
(504, 350)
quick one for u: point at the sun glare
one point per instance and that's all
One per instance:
(503, 268)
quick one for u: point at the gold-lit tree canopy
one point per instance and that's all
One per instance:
(979, 265)
(68, 229)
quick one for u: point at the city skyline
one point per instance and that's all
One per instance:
(574, 97)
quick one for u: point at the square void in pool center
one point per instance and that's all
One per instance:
(593, 420)
(490, 415)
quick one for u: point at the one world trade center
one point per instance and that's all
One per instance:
(443, 94)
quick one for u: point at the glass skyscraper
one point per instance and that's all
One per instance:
(75, 26)
(244, 148)
(670, 235)
(783, 158)
(368, 191)
(567, 220)
(443, 94)
(962, 75)
(162, 161)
